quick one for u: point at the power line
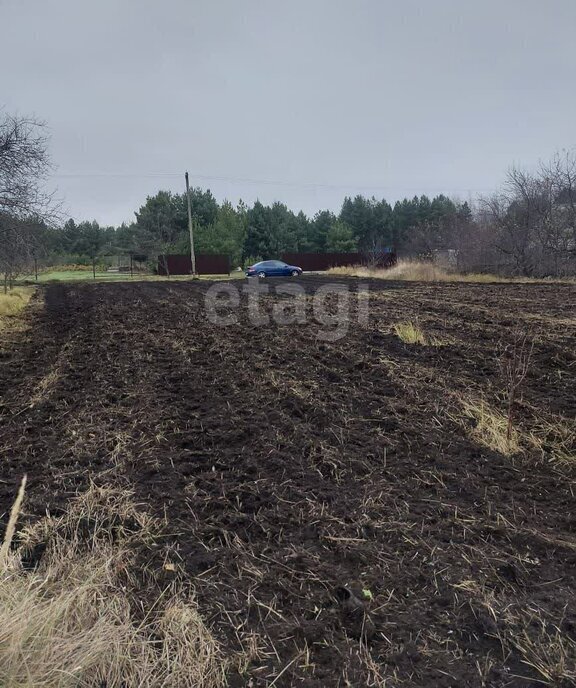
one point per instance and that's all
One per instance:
(267, 182)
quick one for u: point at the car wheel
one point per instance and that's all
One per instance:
(261, 275)
(294, 273)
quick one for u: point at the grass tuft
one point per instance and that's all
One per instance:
(490, 427)
(410, 333)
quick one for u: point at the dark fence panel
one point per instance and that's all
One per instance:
(207, 264)
(325, 261)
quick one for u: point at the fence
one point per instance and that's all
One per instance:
(206, 264)
(325, 261)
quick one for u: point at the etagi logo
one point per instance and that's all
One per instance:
(330, 308)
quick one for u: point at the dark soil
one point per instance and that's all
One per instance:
(297, 474)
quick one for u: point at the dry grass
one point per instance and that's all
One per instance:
(45, 385)
(490, 427)
(556, 440)
(11, 526)
(48, 382)
(14, 301)
(77, 620)
(423, 271)
(547, 650)
(527, 631)
(106, 514)
(411, 333)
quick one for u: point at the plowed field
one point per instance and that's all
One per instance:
(339, 506)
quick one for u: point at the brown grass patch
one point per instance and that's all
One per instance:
(490, 427)
(14, 301)
(425, 271)
(412, 333)
(409, 333)
(76, 619)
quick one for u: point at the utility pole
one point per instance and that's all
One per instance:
(192, 254)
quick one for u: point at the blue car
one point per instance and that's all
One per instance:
(273, 268)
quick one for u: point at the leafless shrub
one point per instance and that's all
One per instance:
(515, 363)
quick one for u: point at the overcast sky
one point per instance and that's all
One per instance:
(302, 101)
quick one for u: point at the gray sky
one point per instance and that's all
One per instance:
(302, 101)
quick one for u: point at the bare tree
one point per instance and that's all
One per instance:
(560, 238)
(534, 219)
(24, 165)
(25, 207)
(520, 213)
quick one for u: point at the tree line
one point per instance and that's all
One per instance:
(246, 233)
(528, 228)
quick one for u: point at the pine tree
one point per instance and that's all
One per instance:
(340, 238)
